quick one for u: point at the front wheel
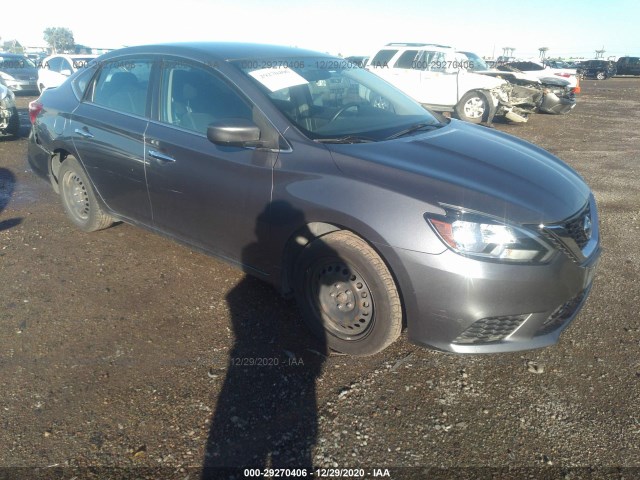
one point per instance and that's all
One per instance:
(472, 107)
(347, 294)
(78, 198)
(601, 76)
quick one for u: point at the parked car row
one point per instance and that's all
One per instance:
(333, 185)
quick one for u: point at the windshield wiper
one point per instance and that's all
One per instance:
(346, 139)
(414, 128)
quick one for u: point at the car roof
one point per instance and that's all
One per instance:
(72, 55)
(412, 46)
(218, 50)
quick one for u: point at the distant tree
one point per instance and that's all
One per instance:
(59, 39)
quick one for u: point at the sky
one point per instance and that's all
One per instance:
(569, 28)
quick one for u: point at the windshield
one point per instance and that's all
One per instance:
(476, 64)
(16, 62)
(331, 98)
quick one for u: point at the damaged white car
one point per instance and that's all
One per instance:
(529, 94)
(444, 80)
(9, 119)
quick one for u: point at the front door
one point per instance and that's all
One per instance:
(215, 197)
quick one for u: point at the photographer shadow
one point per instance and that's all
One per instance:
(266, 413)
(7, 186)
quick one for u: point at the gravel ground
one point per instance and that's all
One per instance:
(121, 352)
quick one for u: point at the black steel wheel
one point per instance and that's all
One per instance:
(78, 198)
(347, 294)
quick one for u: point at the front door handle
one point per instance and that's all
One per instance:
(84, 132)
(161, 156)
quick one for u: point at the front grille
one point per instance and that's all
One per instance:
(572, 235)
(490, 329)
(561, 314)
(575, 228)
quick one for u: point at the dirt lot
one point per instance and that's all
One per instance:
(115, 351)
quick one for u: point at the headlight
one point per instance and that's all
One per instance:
(485, 238)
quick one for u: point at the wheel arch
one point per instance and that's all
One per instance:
(490, 109)
(305, 234)
(58, 156)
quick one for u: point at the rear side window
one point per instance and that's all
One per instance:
(407, 59)
(122, 85)
(81, 81)
(382, 58)
(65, 65)
(54, 64)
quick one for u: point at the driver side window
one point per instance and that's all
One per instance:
(193, 98)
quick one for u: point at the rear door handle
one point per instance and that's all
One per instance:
(83, 132)
(161, 156)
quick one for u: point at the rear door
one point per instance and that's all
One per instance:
(438, 82)
(212, 196)
(108, 130)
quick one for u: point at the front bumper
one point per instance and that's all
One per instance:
(458, 304)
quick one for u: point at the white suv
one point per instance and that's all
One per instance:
(438, 77)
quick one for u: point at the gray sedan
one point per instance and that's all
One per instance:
(335, 187)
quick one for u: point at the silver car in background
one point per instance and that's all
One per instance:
(18, 72)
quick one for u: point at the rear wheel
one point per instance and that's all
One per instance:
(601, 76)
(472, 107)
(78, 198)
(347, 294)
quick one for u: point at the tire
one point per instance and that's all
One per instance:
(79, 200)
(601, 76)
(347, 294)
(472, 107)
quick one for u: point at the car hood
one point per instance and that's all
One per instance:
(481, 81)
(471, 167)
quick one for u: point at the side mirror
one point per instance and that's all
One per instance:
(238, 132)
(65, 72)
